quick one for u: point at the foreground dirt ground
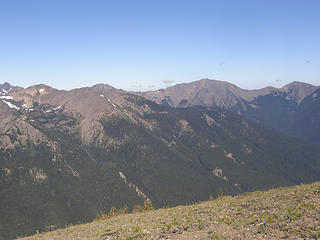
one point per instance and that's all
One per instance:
(284, 213)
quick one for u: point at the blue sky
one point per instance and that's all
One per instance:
(140, 45)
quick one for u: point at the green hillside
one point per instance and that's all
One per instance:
(283, 213)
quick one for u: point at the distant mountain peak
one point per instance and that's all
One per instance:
(298, 84)
(6, 84)
(299, 90)
(103, 87)
(40, 89)
(6, 87)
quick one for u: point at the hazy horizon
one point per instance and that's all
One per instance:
(168, 85)
(143, 45)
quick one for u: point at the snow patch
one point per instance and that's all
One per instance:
(51, 110)
(112, 103)
(11, 105)
(6, 97)
(57, 108)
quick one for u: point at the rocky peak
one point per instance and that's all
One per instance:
(101, 88)
(6, 87)
(299, 90)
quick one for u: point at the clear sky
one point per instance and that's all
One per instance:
(140, 45)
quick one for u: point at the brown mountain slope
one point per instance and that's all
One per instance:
(298, 91)
(282, 109)
(210, 93)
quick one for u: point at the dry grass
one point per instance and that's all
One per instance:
(288, 213)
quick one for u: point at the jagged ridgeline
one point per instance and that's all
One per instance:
(67, 155)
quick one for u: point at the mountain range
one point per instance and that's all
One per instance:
(291, 109)
(66, 155)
